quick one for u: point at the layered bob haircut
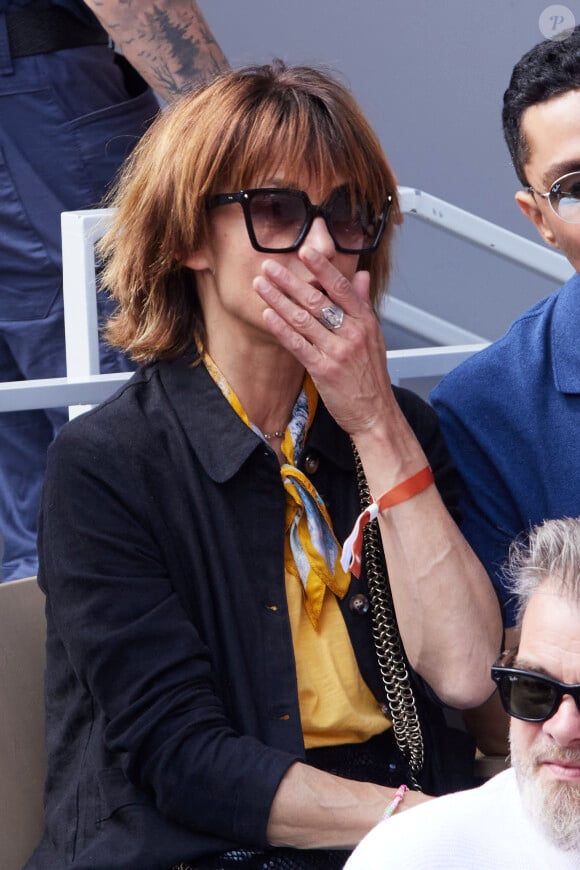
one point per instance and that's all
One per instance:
(237, 131)
(550, 554)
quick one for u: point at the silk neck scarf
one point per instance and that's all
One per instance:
(312, 552)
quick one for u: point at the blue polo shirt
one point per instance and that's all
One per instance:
(511, 418)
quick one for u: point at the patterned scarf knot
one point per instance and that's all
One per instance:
(312, 552)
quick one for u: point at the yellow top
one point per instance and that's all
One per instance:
(326, 666)
(336, 705)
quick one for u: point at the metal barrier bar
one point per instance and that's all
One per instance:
(80, 230)
(59, 392)
(425, 362)
(56, 392)
(485, 234)
(85, 386)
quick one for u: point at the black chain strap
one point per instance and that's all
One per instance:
(387, 639)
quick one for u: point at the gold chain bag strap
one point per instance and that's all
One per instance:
(401, 700)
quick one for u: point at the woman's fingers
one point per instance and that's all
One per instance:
(338, 288)
(295, 327)
(323, 278)
(345, 357)
(317, 310)
(326, 295)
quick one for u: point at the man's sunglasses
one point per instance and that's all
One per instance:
(527, 695)
(278, 219)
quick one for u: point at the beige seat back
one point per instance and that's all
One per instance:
(22, 752)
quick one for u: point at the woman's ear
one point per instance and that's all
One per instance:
(530, 208)
(198, 260)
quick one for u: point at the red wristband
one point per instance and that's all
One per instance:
(352, 547)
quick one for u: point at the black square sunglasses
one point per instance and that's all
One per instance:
(529, 696)
(278, 219)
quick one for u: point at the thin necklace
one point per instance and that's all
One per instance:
(269, 435)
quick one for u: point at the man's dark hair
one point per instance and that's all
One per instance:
(548, 69)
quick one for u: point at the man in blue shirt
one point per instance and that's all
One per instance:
(511, 414)
(71, 109)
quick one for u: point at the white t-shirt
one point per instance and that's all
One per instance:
(480, 829)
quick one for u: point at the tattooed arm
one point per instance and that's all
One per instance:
(168, 41)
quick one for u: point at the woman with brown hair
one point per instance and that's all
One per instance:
(214, 695)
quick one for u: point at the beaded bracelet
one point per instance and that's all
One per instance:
(391, 808)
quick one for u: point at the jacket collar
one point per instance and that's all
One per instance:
(219, 438)
(565, 337)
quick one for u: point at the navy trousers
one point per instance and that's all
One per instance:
(67, 121)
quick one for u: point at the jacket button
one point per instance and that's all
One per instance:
(311, 463)
(359, 604)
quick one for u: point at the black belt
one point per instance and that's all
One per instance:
(41, 31)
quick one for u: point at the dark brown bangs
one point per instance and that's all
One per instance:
(296, 137)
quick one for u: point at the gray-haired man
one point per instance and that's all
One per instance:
(527, 816)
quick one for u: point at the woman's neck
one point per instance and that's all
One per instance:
(266, 380)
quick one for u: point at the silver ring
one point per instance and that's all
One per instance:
(331, 316)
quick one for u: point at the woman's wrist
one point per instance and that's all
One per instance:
(403, 491)
(391, 450)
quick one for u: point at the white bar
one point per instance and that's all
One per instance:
(487, 235)
(84, 386)
(85, 392)
(80, 231)
(428, 326)
(425, 362)
(59, 392)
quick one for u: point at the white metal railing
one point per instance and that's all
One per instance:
(57, 392)
(85, 386)
(456, 344)
(428, 362)
(487, 235)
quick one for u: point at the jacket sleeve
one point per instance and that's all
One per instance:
(131, 645)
